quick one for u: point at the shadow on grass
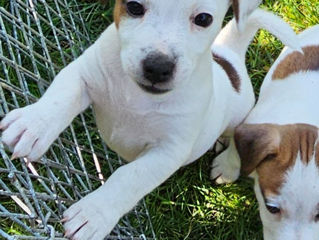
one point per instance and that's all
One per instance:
(190, 206)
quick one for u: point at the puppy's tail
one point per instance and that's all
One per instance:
(238, 41)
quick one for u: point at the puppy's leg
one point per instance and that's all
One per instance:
(95, 216)
(29, 131)
(226, 166)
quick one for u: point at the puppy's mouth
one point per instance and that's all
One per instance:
(152, 89)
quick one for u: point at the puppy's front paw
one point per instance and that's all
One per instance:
(225, 168)
(28, 132)
(90, 218)
(221, 144)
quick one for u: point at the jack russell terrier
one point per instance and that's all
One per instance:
(160, 99)
(279, 144)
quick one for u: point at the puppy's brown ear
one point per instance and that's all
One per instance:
(256, 143)
(242, 9)
(119, 12)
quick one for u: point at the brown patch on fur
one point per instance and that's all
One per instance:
(230, 71)
(273, 149)
(308, 136)
(119, 11)
(236, 9)
(254, 143)
(297, 62)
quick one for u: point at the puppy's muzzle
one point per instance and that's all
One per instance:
(158, 68)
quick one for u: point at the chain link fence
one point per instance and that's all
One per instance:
(37, 39)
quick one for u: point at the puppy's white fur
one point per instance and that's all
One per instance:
(160, 133)
(299, 197)
(292, 100)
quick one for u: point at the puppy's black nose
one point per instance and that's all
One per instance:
(158, 68)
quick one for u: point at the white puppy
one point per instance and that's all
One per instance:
(279, 143)
(159, 97)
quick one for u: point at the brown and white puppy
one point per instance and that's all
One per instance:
(160, 99)
(278, 143)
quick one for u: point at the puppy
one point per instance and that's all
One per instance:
(278, 143)
(160, 99)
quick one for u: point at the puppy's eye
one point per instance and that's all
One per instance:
(135, 9)
(203, 20)
(272, 209)
(317, 218)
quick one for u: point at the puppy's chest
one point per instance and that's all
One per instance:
(128, 125)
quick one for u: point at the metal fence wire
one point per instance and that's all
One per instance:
(37, 39)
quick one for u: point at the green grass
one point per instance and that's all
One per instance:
(188, 205)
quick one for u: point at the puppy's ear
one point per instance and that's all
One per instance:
(256, 143)
(118, 12)
(242, 9)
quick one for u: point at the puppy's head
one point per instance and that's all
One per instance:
(285, 162)
(163, 41)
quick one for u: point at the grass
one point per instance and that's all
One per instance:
(188, 205)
